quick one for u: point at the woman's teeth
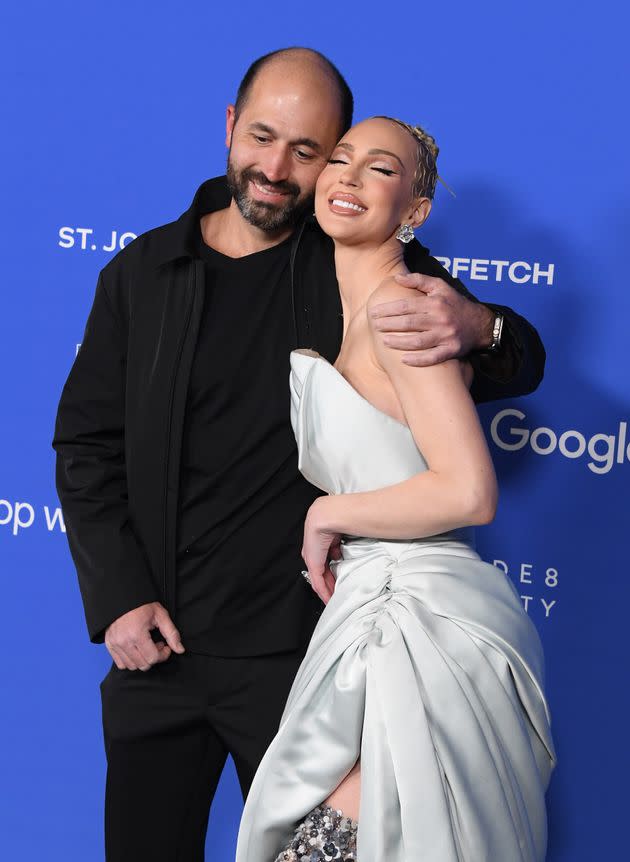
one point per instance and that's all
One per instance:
(348, 205)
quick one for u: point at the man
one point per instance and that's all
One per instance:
(177, 468)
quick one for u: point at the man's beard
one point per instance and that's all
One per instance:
(267, 216)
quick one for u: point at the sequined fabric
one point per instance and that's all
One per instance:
(324, 836)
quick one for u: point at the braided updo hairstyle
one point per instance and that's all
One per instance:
(426, 175)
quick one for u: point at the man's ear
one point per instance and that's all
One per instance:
(420, 212)
(230, 119)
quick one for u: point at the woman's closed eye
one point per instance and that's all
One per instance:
(387, 171)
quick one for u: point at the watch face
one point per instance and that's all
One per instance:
(497, 332)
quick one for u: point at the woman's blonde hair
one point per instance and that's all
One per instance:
(426, 175)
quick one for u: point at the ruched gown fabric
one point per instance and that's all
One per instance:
(424, 664)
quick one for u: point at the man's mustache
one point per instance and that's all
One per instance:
(283, 187)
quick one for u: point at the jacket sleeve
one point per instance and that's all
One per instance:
(113, 570)
(518, 367)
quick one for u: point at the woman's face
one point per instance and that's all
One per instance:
(365, 191)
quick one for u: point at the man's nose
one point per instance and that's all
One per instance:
(276, 165)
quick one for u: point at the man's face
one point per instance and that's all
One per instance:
(280, 144)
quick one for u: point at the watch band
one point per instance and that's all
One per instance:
(497, 331)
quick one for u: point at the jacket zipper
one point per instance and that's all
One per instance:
(191, 283)
(294, 248)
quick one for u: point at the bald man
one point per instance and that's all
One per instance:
(177, 465)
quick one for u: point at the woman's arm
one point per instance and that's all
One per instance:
(459, 488)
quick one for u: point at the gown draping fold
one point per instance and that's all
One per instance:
(424, 664)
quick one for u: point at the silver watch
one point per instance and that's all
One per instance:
(497, 331)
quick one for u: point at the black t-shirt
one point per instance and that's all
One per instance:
(242, 501)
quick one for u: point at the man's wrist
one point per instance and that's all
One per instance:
(485, 328)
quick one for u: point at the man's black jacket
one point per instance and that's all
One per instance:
(119, 424)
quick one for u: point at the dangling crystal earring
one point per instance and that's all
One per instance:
(405, 233)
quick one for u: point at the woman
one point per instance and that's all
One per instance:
(416, 729)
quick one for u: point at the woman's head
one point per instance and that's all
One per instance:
(381, 174)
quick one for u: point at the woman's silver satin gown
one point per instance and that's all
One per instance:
(423, 664)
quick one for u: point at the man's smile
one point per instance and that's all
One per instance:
(269, 193)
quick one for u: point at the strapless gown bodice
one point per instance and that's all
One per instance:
(423, 664)
(345, 443)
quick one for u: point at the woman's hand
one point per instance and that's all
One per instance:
(319, 547)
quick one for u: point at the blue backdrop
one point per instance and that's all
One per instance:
(115, 113)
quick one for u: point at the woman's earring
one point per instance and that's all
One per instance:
(405, 233)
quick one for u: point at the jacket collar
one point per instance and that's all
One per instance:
(181, 238)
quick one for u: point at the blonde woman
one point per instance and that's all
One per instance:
(417, 728)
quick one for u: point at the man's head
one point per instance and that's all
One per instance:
(291, 108)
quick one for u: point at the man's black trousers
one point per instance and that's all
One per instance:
(168, 732)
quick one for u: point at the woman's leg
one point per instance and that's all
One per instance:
(331, 828)
(347, 795)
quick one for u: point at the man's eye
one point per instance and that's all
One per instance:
(385, 171)
(261, 139)
(302, 155)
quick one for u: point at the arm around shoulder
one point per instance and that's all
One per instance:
(517, 368)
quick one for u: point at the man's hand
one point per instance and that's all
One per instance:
(436, 322)
(130, 644)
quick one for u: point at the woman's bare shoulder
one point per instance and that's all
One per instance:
(388, 291)
(389, 358)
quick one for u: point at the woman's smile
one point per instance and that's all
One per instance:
(344, 203)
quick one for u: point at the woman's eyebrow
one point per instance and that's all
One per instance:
(386, 153)
(374, 152)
